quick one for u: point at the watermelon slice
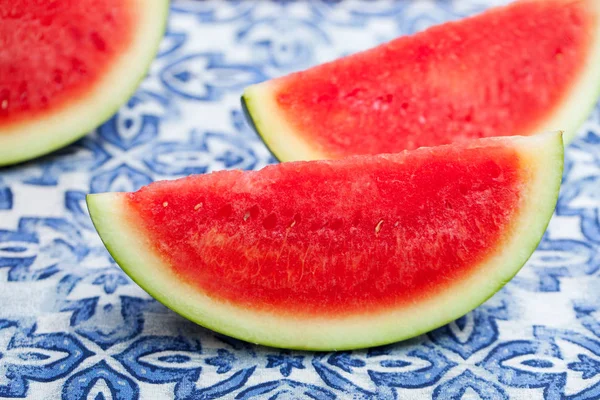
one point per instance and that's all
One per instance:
(531, 66)
(67, 66)
(338, 254)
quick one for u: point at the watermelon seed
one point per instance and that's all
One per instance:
(58, 79)
(293, 223)
(558, 53)
(378, 227)
(166, 203)
(4, 104)
(78, 66)
(397, 223)
(24, 97)
(197, 206)
(97, 41)
(354, 92)
(247, 215)
(494, 170)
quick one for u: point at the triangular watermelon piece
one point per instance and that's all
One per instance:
(338, 254)
(531, 66)
(67, 66)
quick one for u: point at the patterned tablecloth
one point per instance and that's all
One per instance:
(72, 325)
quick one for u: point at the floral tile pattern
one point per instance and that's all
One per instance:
(73, 326)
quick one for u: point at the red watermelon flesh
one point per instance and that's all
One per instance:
(521, 69)
(90, 33)
(67, 66)
(332, 244)
(283, 239)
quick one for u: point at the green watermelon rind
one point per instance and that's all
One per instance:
(135, 254)
(287, 143)
(26, 140)
(279, 138)
(250, 120)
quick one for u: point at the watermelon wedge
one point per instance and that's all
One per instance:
(67, 66)
(532, 66)
(338, 254)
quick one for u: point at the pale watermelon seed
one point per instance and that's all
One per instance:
(378, 227)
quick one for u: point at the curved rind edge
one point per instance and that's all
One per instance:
(250, 120)
(284, 142)
(123, 238)
(23, 144)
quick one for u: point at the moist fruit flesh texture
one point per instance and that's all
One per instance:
(501, 73)
(54, 51)
(374, 233)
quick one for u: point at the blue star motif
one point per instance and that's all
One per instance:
(110, 281)
(6, 198)
(345, 362)
(223, 361)
(286, 361)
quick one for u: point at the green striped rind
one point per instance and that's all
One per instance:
(288, 143)
(29, 139)
(541, 157)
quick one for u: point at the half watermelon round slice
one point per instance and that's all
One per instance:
(531, 66)
(338, 254)
(67, 66)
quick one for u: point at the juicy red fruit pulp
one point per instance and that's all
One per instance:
(53, 52)
(358, 235)
(501, 73)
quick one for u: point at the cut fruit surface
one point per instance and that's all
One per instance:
(338, 254)
(528, 67)
(67, 66)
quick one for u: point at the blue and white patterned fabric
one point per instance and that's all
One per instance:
(73, 326)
